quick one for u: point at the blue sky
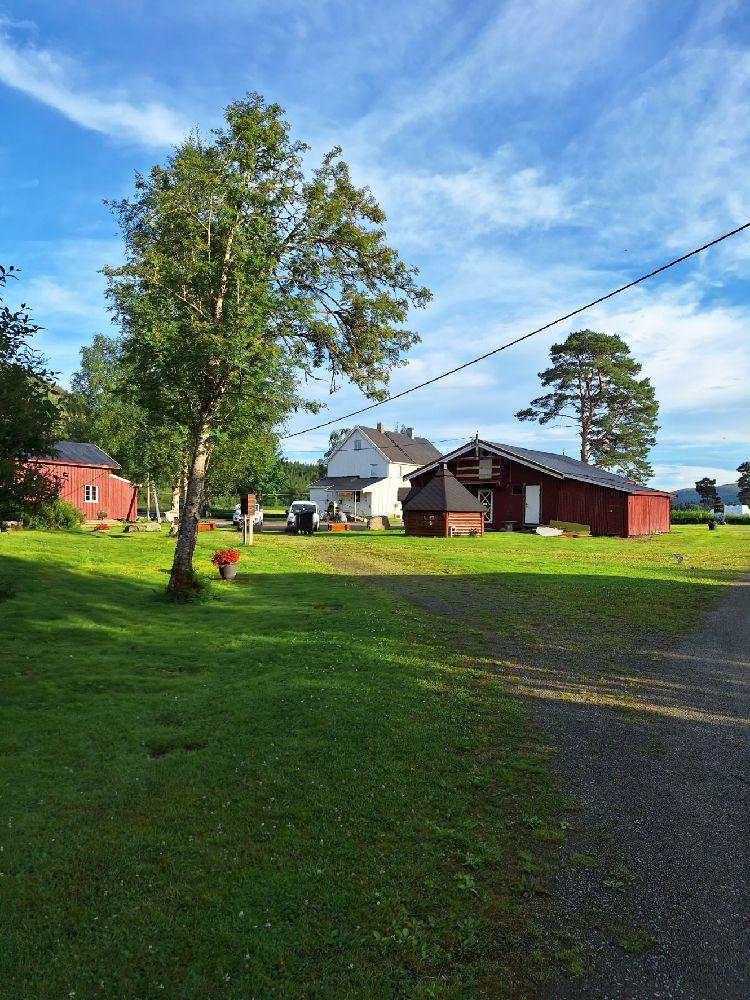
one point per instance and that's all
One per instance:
(530, 156)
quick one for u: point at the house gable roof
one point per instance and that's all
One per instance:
(442, 492)
(80, 453)
(559, 466)
(400, 447)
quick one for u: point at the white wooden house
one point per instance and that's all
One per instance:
(365, 474)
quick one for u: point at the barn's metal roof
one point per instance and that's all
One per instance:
(81, 453)
(443, 492)
(572, 468)
(560, 466)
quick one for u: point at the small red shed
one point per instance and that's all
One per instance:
(523, 488)
(441, 507)
(88, 481)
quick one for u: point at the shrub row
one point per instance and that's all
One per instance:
(697, 516)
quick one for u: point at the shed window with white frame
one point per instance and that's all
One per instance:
(90, 494)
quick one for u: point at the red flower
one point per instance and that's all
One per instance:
(223, 557)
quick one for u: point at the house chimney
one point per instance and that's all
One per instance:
(380, 426)
(409, 432)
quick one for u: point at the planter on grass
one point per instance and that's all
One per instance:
(225, 560)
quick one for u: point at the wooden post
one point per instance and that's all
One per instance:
(247, 530)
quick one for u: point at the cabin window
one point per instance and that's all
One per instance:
(91, 494)
(517, 491)
(358, 444)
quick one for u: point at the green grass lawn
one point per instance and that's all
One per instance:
(294, 787)
(599, 594)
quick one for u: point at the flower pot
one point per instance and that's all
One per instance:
(228, 571)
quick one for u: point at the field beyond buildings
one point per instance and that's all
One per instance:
(310, 783)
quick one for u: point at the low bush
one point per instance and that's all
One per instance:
(696, 515)
(738, 518)
(57, 515)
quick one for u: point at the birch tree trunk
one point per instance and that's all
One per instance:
(156, 503)
(181, 580)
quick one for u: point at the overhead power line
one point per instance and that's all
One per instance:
(518, 340)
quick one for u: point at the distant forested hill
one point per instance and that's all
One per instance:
(728, 494)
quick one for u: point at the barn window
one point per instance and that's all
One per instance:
(517, 491)
(485, 468)
(91, 494)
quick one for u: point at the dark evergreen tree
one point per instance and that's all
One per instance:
(596, 389)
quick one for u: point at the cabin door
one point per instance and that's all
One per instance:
(532, 504)
(485, 497)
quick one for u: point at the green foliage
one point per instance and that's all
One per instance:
(241, 276)
(335, 438)
(694, 515)
(706, 489)
(29, 412)
(743, 483)
(299, 475)
(54, 514)
(596, 389)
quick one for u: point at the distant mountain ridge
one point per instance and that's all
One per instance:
(728, 494)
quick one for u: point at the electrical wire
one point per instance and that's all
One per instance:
(526, 336)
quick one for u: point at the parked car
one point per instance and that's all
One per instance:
(257, 516)
(297, 508)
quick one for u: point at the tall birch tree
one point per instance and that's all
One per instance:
(242, 274)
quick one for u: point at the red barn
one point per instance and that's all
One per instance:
(522, 488)
(88, 481)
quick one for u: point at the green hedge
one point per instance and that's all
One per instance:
(55, 514)
(696, 516)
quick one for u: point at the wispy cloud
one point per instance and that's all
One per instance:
(53, 80)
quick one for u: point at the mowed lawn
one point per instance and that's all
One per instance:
(296, 787)
(292, 788)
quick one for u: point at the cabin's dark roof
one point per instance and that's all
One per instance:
(402, 448)
(346, 483)
(80, 453)
(443, 492)
(572, 468)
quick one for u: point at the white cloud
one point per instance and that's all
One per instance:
(696, 354)
(48, 77)
(682, 477)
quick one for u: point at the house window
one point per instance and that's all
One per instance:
(358, 444)
(517, 491)
(374, 471)
(91, 494)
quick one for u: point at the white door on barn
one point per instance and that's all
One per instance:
(532, 505)
(485, 497)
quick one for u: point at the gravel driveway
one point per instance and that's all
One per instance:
(651, 897)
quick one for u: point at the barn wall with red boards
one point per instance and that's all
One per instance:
(606, 511)
(116, 496)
